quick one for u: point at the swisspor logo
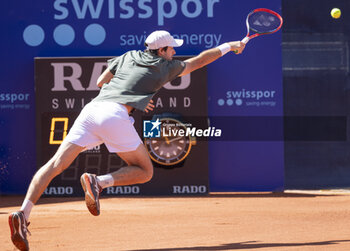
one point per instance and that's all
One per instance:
(246, 97)
(102, 11)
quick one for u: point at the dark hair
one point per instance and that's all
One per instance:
(155, 51)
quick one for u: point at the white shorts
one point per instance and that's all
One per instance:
(105, 122)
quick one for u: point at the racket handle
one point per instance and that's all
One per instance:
(245, 40)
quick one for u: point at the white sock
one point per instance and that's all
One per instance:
(26, 208)
(105, 181)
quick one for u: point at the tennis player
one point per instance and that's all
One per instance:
(128, 83)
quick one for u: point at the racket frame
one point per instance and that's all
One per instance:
(248, 36)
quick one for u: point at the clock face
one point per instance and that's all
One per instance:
(170, 148)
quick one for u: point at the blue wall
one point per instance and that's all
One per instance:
(61, 28)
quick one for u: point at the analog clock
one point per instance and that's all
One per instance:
(173, 146)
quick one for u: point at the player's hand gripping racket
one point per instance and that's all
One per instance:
(262, 22)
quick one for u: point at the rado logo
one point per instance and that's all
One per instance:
(123, 190)
(189, 189)
(74, 78)
(75, 72)
(58, 190)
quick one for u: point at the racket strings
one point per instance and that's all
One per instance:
(263, 22)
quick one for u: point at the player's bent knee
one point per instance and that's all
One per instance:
(148, 172)
(149, 175)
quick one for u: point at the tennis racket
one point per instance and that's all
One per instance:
(262, 22)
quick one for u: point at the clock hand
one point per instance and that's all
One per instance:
(167, 140)
(175, 139)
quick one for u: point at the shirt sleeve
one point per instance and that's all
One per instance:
(175, 68)
(113, 64)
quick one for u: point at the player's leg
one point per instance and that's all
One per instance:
(116, 130)
(139, 170)
(64, 156)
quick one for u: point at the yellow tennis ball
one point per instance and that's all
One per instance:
(336, 13)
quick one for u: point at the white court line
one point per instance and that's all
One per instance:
(322, 191)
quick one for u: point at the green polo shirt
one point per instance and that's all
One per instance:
(137, 77)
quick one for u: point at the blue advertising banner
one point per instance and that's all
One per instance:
(246, 85)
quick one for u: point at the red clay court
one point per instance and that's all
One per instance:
(316, 220)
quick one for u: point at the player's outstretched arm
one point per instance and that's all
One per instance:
(208, 56)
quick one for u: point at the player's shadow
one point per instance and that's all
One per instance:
(247, 245)
(265, 195)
